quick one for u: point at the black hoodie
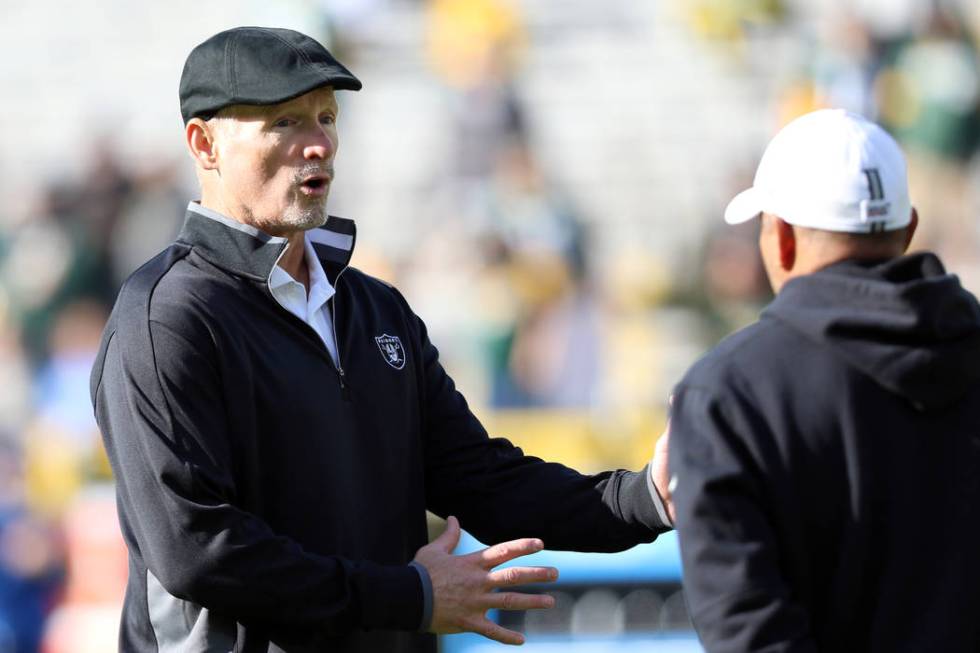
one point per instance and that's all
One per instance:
(827, 464)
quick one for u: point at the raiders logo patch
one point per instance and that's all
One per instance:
(391, 350)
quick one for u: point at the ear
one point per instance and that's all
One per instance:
(910, 230)
(787, 244)
(200, 142)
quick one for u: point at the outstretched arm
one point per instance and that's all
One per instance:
(499, 493)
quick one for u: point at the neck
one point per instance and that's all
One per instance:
(212, 200)
(293, 260)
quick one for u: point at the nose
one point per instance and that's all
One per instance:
(321, 145)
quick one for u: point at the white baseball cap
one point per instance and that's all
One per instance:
(830, 170)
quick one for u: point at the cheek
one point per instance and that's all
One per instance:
(281, 163)
(264, 173)
(241, 164)
(270, 169)
(249, 183)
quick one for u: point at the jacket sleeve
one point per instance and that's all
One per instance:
(498, 493)
(737, 594)
(159, 404)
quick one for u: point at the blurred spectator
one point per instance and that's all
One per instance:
(60, 252)
(726, 20)
(15, 378)
(844, 65)
(48, 260)
(473, 41)
(103, 190)
(62, 445)
(890, 20)
(475, 48)
(87, 620)
(551, 358)
(62, 397)
(934, 112)
(148, 220)
(732, 287)
(31, 565)
(930, 99)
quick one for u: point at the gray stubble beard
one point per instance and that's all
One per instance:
(298, 216)
(308, 213)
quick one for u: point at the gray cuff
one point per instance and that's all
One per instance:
(427, 597)
(657, 501)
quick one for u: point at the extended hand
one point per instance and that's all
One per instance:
(462, 586)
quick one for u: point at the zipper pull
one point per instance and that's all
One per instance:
(344, 389)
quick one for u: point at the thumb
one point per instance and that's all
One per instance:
(449, 538)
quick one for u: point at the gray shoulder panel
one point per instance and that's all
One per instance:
(184, 627)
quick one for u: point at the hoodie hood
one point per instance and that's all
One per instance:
(904, 322)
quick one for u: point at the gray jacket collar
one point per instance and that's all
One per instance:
(249, 252)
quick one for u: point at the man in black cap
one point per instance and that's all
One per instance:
(278, 423)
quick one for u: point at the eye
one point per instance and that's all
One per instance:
(328, 119)
(284, 122)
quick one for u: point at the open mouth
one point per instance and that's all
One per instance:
(314, 183)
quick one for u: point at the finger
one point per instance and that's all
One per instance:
(522, 576)
(449, 538)
(520, 601)
(497, 632)
(507, 551)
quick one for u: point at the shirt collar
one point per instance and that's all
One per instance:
(321, 289)
(247, 251)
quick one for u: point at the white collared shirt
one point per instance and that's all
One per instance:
(311, 308)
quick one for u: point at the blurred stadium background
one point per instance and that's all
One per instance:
(543, 179)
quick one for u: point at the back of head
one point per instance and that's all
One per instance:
(831, 185)
(830, 170)
(830, 246)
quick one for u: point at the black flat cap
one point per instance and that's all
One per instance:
(256, 65)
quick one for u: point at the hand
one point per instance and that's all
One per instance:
(462, 586)
(660, 472)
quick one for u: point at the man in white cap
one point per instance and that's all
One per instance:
(825, 459)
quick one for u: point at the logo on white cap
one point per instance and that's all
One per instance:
(830, 170)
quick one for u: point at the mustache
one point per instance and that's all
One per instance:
(313, 169)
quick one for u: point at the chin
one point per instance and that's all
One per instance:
(305, 218)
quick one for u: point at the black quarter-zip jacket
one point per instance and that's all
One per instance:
(827, 463)
(272, 500)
